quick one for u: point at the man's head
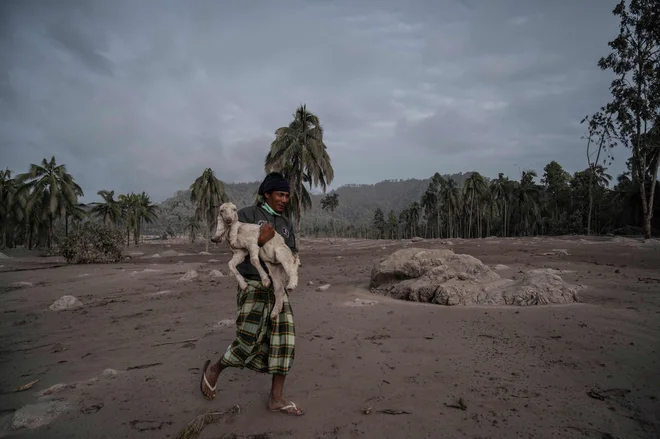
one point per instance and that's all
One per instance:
(276, 191)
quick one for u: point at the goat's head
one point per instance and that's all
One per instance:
(227, 215)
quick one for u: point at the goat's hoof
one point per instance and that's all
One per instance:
(243, 286)
(265, 282)
(291, 287)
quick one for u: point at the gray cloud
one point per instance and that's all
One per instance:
(144, 95)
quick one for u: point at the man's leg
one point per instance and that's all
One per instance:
(277, 402)
(281, 350)
(212, 373)
(245, 350)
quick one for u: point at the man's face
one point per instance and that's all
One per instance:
(277, 200)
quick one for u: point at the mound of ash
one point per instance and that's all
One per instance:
(443, 277)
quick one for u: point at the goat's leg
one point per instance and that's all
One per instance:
(254, 260)
(239, 256)
(289, 264)
(277, 274)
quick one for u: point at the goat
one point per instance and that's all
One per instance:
(278, 257)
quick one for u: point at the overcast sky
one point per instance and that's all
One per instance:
(143, 95)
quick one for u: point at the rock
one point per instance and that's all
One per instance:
(136, 254)
(179, 263)
(499, 267)
(549, 270)
(3, 256)
(190, 274)
(21, 284)
(205, 253)
(212, 261)
(556, 252)
(216, 273)
(442, 277)
(541, 289)
(151, 270)
(37, 415)
(66, 302)
(323, 287)
(417, 239)
(55, 388)
(170, 253)
(155, 256)
(449, 243)
(160, 293)
(360, 302)
(224, 324)
(310, 283)
(109, 373)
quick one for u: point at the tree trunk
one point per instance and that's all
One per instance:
(591, 200)
(647, 205)
(50, 231)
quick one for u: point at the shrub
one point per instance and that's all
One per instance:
(93, 243)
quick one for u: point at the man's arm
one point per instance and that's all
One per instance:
(266, 233)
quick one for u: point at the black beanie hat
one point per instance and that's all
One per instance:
(274, 181)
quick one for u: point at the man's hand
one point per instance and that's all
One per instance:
(266, 233)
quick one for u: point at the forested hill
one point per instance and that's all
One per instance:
(357, 203)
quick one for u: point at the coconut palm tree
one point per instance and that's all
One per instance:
(450, 196)
(127, 204)
(10, 210)
(429, 203)
(50, 186)
(473, 189)
(299, 153)
(207, 193)
(109, 210)
(146, 212)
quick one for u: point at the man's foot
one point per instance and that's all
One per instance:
(287, 407)
(208, 377)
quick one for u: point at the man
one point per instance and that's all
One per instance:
(262, 344)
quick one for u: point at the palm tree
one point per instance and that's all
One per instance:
(192, 225)
(10, 211)
(414, 211)
(109, 210)
(127, 203)
(429, 202)
(450, 195)
(145, 212)
(52, 188)
(207, 193)
(528, 201)
(299, 153)
(500, 194)
(473, 189)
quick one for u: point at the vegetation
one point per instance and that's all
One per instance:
(299, 153)
(93, 242)
(330, 202)
(207, 193)
(635, 104)
(40, 208)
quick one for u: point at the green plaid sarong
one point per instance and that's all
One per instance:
(261, 344)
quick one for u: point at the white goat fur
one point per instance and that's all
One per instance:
(278, 257)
